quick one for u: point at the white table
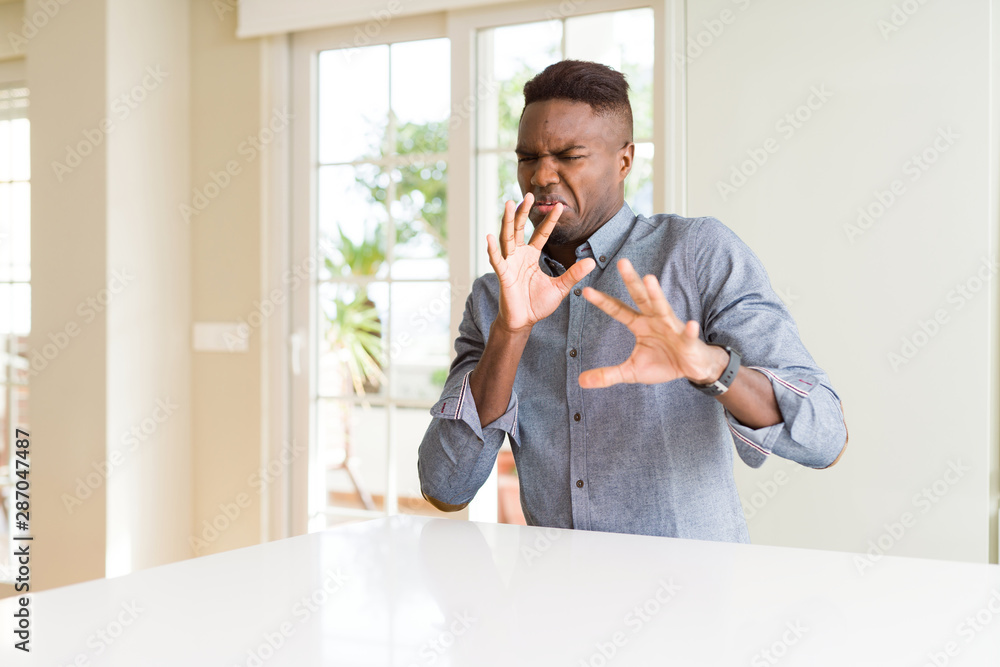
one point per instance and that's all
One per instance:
(410, 590)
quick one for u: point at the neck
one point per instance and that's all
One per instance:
(564, 254)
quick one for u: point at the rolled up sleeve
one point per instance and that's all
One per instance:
(462, 406)
(811, 426)
(740, 309)
(457, 452)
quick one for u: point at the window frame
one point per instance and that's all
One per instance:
(293, 65)
(305, 56)
(12, 72)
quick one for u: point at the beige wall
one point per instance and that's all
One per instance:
(225, 276)
(66, 69)
(181, 430)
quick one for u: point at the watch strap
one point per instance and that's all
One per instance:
(721, 385)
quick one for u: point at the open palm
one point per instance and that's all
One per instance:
(528, 294)
(665, 347)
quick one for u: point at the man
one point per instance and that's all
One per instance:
(621, 419)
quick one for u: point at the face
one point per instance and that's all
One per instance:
(567, 153)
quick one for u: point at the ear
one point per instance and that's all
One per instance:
(625, 156)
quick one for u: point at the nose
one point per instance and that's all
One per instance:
(545, 173)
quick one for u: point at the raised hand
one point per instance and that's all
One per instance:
(665, 347)
(528, 294)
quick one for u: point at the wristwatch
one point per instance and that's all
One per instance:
(721, 385)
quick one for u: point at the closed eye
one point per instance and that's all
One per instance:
(561, 157)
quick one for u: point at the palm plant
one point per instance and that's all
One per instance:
(354, 334)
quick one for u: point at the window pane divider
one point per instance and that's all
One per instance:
(405, 160)
(379, 401)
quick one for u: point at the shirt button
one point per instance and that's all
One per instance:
(602, 258)
(576, 417)
(572, 352)
(577, 291)
(579, 483)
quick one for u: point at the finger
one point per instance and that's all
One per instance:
(691, 329)
(660, 305)
(542, 231)
(521, 218)
(596, 378)
(575, 274)
(635, 287)
(497, 261)
(507, 228)
(610, 305)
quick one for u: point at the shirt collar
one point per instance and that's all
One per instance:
(604, 243)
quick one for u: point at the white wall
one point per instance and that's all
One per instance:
(891, 96)
(148, 368)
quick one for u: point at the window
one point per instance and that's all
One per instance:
(510, 55)
(402, 157)
(382, 297)
(15, 296)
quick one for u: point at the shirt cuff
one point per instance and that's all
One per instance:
(798, 414)
(791, 391)
(463, 407)
(753, 445)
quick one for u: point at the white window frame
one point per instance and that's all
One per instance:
(11, 72)
(290, 65)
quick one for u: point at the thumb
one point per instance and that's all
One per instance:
(575, 273)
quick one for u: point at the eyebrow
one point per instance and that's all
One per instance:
(521, 151)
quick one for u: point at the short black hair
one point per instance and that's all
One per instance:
(603, 88)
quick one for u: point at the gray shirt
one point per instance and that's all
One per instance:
(634, 458)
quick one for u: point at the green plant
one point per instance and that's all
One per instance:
(354, 333)
(364, 258)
